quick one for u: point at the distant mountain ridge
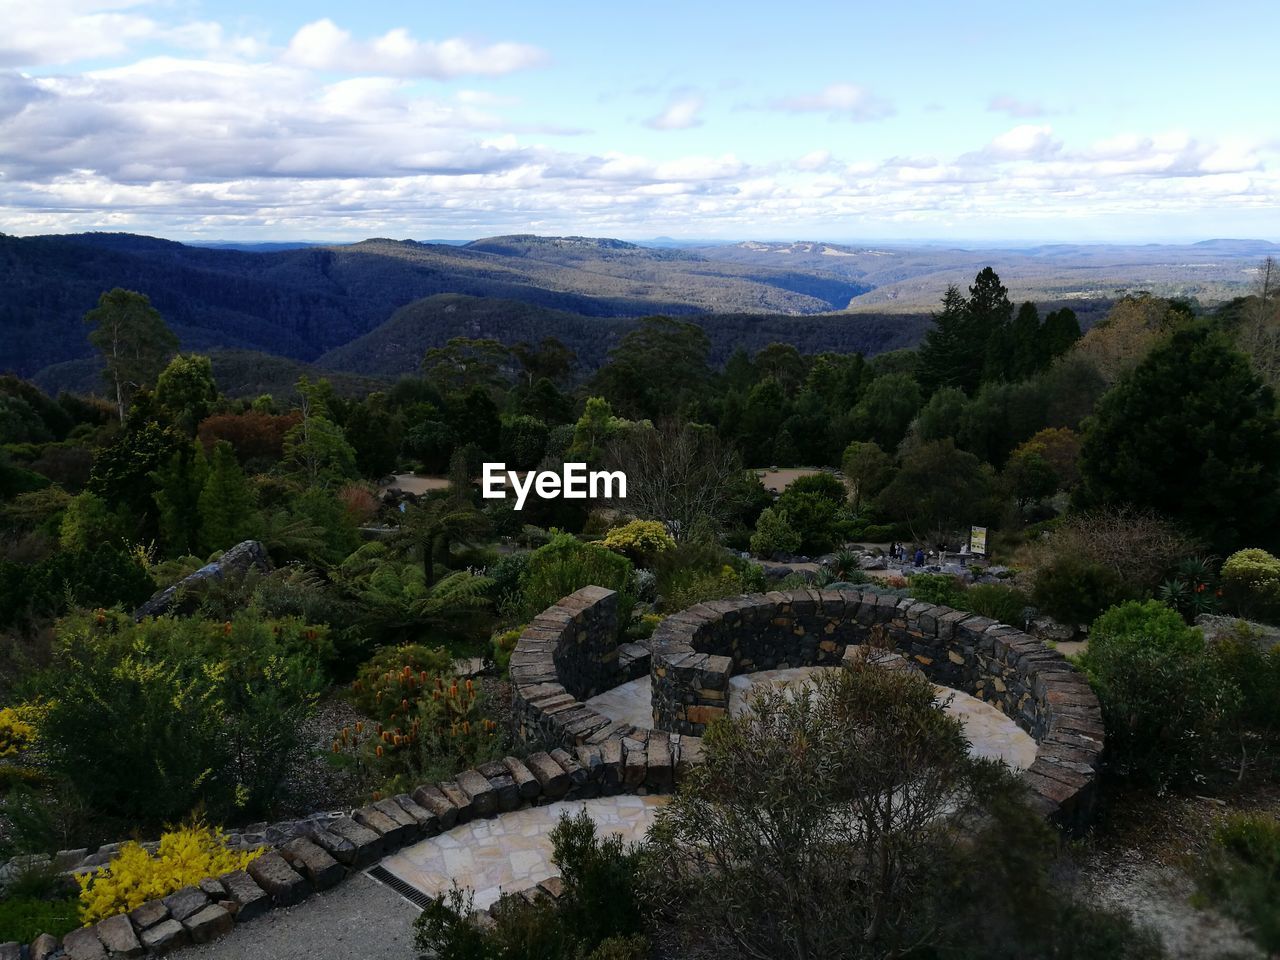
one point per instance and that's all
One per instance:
(302, 302)
(330, 303)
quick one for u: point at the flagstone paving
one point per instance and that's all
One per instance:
(991, 733)
(512, 851)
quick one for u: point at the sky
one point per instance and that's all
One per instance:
(839, 121)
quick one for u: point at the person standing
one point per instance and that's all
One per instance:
(919, 556)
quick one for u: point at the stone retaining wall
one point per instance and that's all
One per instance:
(327, 848)
(696, 651)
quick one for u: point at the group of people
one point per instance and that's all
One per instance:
(900, 553)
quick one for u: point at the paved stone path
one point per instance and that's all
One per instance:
(360, 919)
(991, 733)
(511, 851)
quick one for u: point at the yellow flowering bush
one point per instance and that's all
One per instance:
(640, 540)
(17, 730)
(185, 857)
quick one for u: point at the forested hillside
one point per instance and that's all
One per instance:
(299, 303)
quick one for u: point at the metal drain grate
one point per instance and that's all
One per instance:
(406, 890)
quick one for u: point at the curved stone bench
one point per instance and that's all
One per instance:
(694, 653)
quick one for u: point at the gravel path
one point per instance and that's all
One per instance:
(359, 919)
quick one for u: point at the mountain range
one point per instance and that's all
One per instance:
(370, 309)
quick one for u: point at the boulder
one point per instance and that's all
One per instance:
(241, 558)
(209, 924)
(44, 946)
(250, 899)
(186, 902)
(366, 845)
(10, 951)
(116, 934)
(274, 875)
(165, 936)
(314, 863)
(83, 944)
(149, 914)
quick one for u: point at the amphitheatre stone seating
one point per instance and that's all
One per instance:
(567, 655)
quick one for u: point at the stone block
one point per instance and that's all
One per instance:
(504, 785)
(550, 775)
(526, 783)
(185, 902)
(116, 934)
(274, 875)
(342, 850)
(407, 829)
(250, 899)
(213, 889)
(83, 944)
(321, 869)
(394, 834)
(149, 914)
(459, 798)
(432, 798)
(44, 947)
(484, 799)
(209, 924)
(165, 936)
(428, 822)
(660, 773)
(636, 767)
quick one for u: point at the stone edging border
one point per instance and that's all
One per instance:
(565, 656)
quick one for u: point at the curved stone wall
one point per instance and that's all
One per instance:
(695, 652)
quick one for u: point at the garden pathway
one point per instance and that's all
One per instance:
(990, 732)
(512, 851)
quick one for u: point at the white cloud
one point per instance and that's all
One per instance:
(1019, 109)
(1027, 140)
(323, 45)
(843, 101)
(681, 114)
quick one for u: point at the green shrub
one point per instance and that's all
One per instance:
(418, 657)
(565, 565)
(941, 588)
(997, 601)
(597, 917)
(774, 534)
(22, 920)
(1241, 875)
(211, 710)
(504, 644)
(812, 513)
(1075, 591)
(1251, 579)
(1166, 708)
(640, 540)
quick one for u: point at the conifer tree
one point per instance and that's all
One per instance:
(179, 484)
(948, 356)
(226, 503)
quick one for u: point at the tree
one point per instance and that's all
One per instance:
(522, 442)
(1129, 332)
(593, 430)
(886, 409)
(990, 315)
(761, 417)
(1029, 477)
(867, 468)
(317, 447)
(476, 418)
(133, 340)
(1027, 355)
(464, 364)
(186, 391)
(940, 417)
(434, 524)
(783, 362)
(1060, 449)
(1192, 434)
(656, 368)
(374, 434)
(795, 839)
(1059, 334)
(123, 471)
(87, 522)
(774, 534)
(178, 487)
(226, 502)
(682, 475)
(939, 491)
(949, 357)
(1259, 333)
(550, 360)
